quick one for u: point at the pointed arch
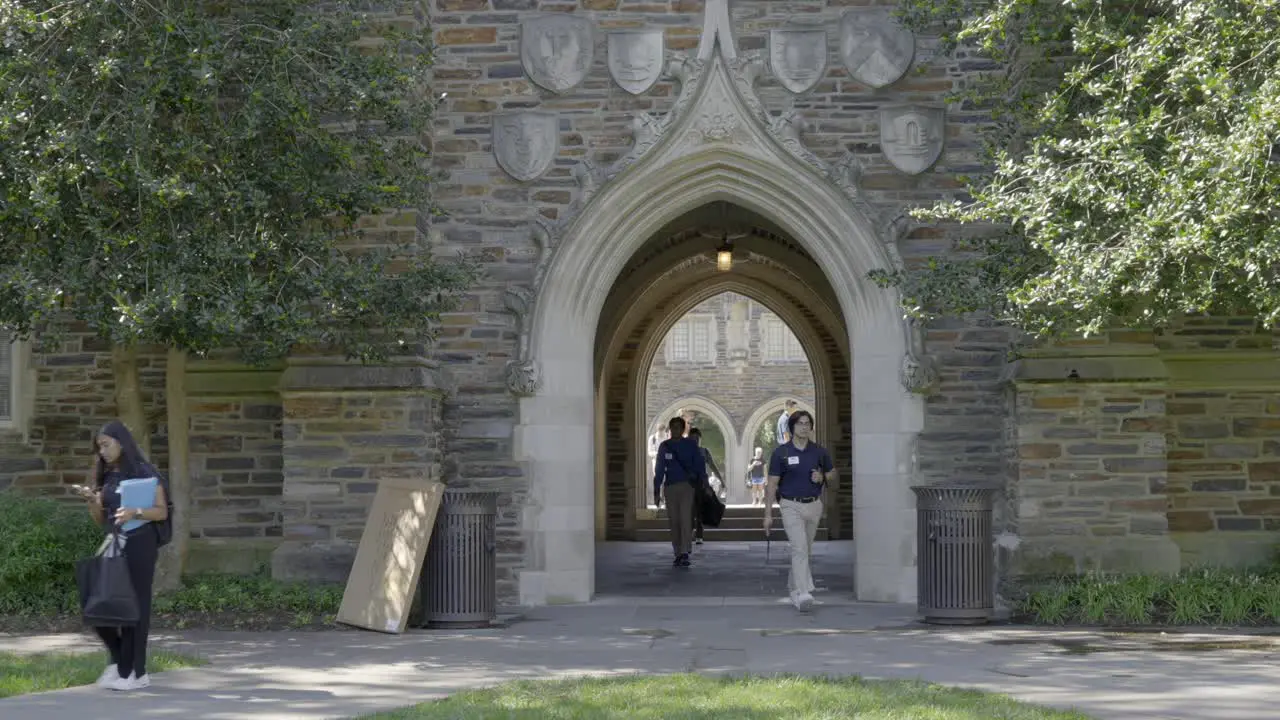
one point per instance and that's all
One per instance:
(772, 406)
(702, 404)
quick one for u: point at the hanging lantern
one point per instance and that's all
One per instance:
(724, 255)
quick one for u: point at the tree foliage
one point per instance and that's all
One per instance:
(1134, 164)
(192, 173)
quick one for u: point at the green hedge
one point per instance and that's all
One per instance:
(1192, 597)
(40, 542)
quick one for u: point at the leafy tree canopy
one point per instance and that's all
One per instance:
(192, 174)
(1135, 165)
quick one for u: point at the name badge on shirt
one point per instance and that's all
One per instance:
(669, 456)
(793, 460)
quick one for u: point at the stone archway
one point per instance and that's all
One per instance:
(718, 144)
(710, 409)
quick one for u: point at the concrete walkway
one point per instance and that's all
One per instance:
(344, 674)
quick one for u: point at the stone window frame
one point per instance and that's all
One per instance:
(15, 361)
(791, 350)
(684, 330)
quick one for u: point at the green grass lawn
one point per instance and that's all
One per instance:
(22, 674)
(686, 697)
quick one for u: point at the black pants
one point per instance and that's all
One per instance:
(128, 645)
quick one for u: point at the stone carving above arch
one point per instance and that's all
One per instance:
(911, 136)
(716, 107)
(798, 57)
(557, 50)
(525, 143)
(636, 58)
(876, 49)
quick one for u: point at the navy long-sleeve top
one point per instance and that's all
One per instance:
(674, 456)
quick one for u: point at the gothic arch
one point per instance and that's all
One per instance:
(716, 145)
(771, 408)
(702, 404)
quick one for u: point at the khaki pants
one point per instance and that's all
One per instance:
(680, 516)
(800, 520)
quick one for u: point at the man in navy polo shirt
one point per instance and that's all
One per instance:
(677, 474)
(798, 471)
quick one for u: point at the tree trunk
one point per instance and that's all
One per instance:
(173, 559)
(124, 364)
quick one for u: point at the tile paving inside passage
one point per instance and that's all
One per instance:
(720, 569)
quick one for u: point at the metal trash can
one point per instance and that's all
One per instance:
(955, 557)
(459, 578)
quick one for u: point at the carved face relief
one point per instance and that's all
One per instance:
(635, 59)
(798, 57)
(525, 143)
(875, 48)
(557, 50)
(911, 136)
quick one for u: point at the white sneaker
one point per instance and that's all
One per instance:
(140, 683)
(119, 683)
(804, 602)
(111, 672)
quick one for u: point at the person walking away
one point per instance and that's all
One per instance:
(120, 459)
(677, 473)
(798, 471)
(782, 432)
(698, 532)
(755, 477)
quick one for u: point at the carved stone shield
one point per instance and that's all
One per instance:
(911, 136)
(557, 50)
(798, 57)
(635, 59)
(525, 143)
(875, 48)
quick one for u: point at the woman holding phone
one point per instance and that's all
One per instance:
(119, 459)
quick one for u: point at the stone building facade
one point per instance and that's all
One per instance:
(597, 157)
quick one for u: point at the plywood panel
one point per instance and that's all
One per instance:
(384, 576)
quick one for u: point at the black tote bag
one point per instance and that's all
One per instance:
(710, 508)
(107, 598)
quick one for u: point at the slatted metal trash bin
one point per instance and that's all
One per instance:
(459, 577)
(955, 556)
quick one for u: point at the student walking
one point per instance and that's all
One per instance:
(677, 475)
(120, 459)
(798, 471)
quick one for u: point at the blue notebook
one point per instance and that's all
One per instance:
(137, 493)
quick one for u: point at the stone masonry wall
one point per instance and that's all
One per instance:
(740, 390)
(74, 396)
(1092, 493)
(236, 480)
(1199, 434)
(1224, 472)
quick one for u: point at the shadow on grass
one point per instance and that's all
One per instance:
(696, 697)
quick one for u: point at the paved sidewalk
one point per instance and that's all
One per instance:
(344, 674)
